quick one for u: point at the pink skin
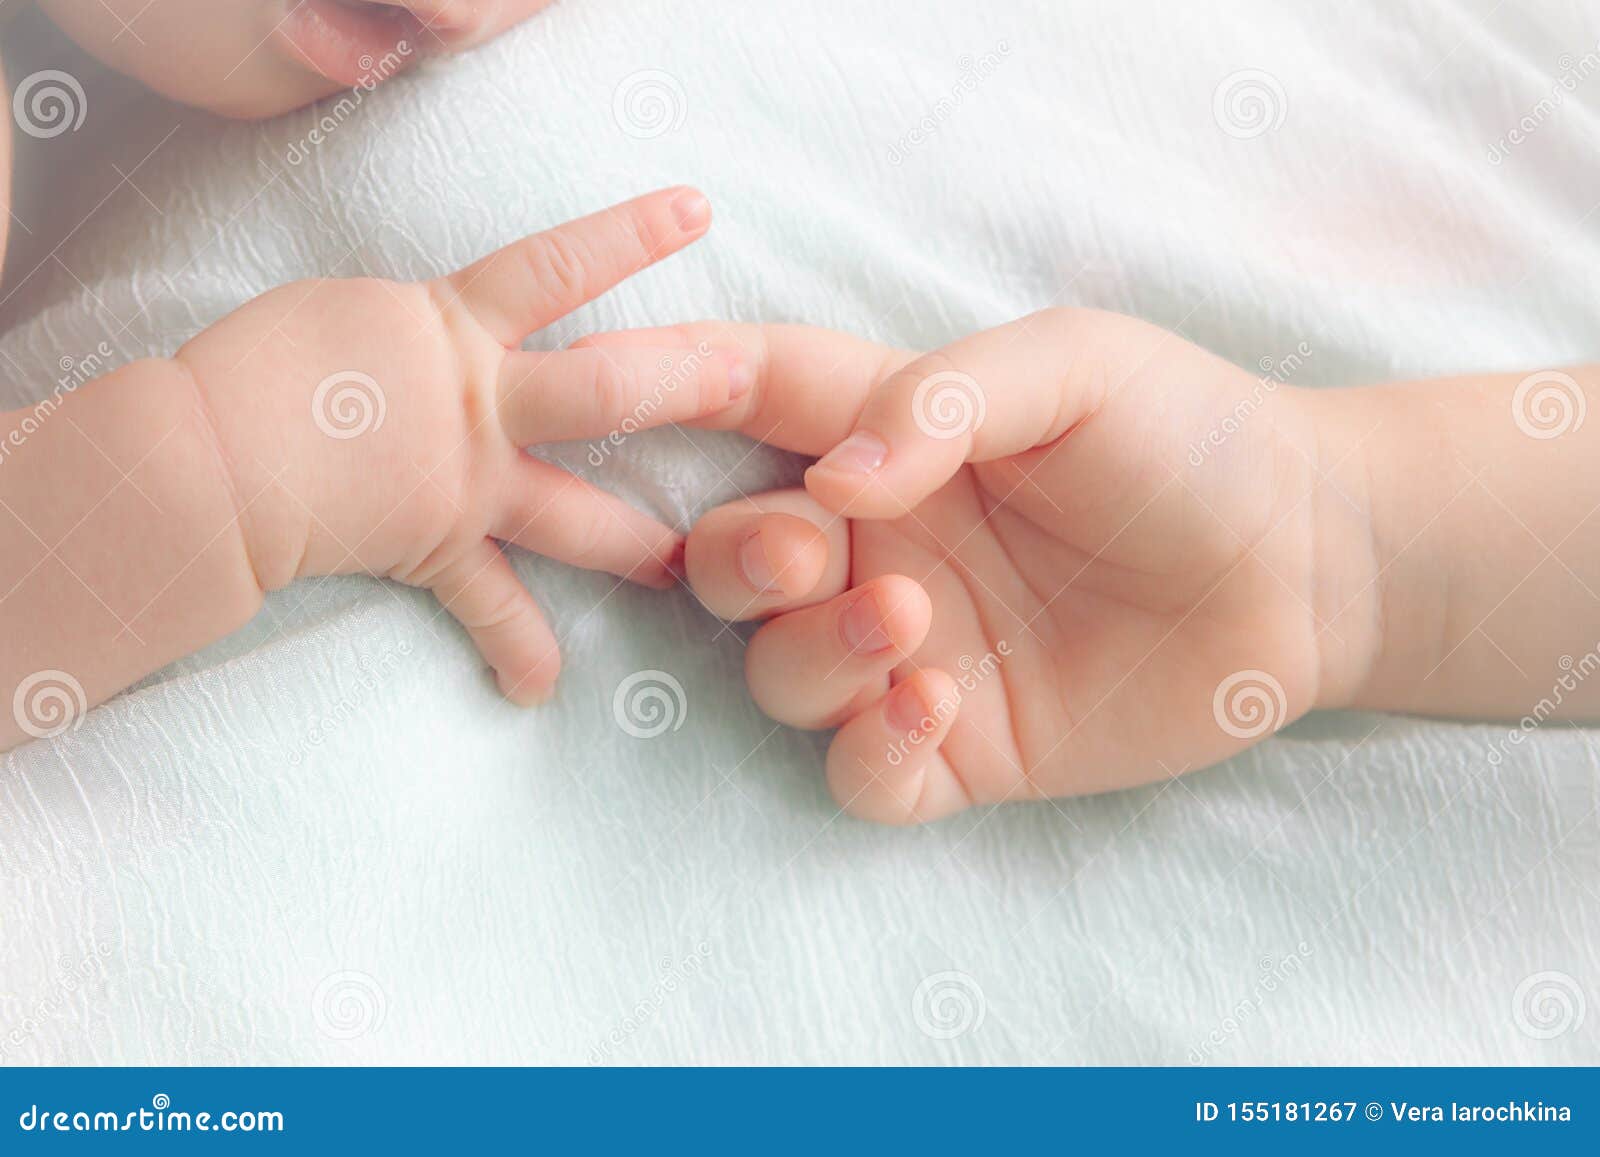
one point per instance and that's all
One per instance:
(1056, 600)
(258, 58)
(233, 474)
(1382, 547)
(335, 427)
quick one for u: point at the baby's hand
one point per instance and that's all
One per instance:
(1012, 575)
(372, 426)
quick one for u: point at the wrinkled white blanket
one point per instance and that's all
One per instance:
(326, 840)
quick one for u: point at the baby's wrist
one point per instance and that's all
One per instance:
(212, 450)
(273, 538)
(1387, 561)
(1455, 542)
(1347, 573)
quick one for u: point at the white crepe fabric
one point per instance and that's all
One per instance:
(326, 840)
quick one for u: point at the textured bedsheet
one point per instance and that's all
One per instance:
(326, 840)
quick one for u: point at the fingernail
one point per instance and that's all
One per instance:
(906, 710)
(860, 453)
(693, 210)
(861, 627)
(741, 376)
(754, 566)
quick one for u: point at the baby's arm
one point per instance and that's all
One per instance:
(1461, 531)
(120, 543)
(338, 427)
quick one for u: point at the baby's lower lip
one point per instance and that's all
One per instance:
(350, 43)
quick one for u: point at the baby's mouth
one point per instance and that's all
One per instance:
(361, 42)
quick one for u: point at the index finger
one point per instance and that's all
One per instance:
(810, 385)
(533, 282)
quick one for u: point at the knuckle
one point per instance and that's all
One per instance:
(580, 541)
(642, 238)
(560, 262)
(613, 389)
(506, 611)
(937, 362)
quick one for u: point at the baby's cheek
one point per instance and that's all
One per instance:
(213, 54)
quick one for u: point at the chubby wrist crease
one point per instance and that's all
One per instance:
(1349, 572)
(225, 468)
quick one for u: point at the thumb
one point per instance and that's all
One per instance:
(987, 396)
